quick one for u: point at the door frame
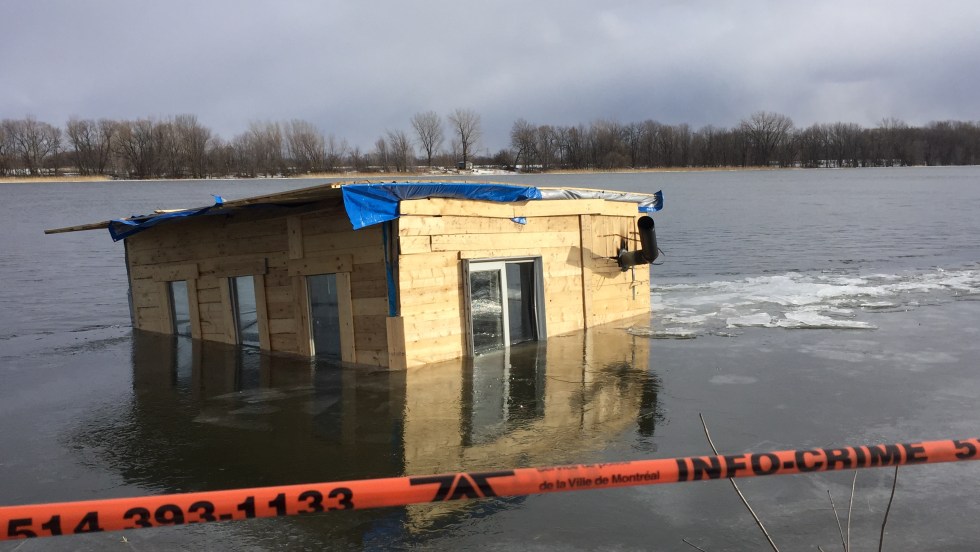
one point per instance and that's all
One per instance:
(500, 264)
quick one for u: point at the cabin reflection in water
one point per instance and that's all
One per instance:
(210, 416)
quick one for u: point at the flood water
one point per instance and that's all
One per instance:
(794, 309)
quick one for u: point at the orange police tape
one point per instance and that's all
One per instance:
(42, 520)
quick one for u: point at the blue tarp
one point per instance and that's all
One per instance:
(368, 204)
(123, 228)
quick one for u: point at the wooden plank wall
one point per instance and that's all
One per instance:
(575, 239)
(282, 248)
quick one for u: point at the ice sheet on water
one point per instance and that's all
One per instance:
(805, 300)
(666, 333)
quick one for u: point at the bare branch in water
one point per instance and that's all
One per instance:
(881, 541)
(837, 517)
(691, 544)
(850, 507)
(737, 490)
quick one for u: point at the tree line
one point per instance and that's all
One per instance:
(181, 147)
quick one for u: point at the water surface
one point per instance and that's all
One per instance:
(794, 309)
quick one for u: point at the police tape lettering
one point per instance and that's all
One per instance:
(45, 520)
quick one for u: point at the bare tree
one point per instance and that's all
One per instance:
(195, 140)
(306, 146)
(428, 128)
(35, 142)
(524, 142)
(466, 126)
(357, 159)
(765, 132)
(336, 151)
(170, 148)
(91, 144)
(5, 146)
(400, 149)
(547, 146)
(380, 155)
(137, 147)
(267, 146)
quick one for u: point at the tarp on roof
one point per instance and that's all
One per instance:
(123, 228)
(647, 203)
(368, 204)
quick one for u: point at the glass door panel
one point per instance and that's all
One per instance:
(246, 312)
(181, 310)
(520, 302)
(487, 308)
(324, 315)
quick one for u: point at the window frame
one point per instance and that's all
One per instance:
(500, 264)
(172, 297)
(233, 288)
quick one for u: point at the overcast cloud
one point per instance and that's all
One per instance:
(358, 68)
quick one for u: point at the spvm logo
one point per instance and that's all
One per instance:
(461, 485)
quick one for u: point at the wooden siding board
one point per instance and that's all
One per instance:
(471, 242)
(301, 306)
(194, 305)
(586, 251)
(262, 312)
(294, 228)
(345, 310)
(395, 333)
(328, 264)
(228, 325)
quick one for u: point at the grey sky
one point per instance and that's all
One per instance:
(358, 68)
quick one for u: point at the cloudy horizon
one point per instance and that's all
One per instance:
(357, 70)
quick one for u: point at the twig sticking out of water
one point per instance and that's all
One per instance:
(881, 541)
(692, 545)
(837, 517)
(850, 507)
(735, 485)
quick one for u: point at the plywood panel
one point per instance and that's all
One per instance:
(284, 342)
(345, 240)
(282, 325)
(345, 309)
(370, 306)
(408, 245)
(228, 325)
(395, 333)
(294, 230)
(262, 312)
(538, 208)
(586, 254)
(301, 310)
(193, 304)
(327, 264)
(451, 225)
(471, 242)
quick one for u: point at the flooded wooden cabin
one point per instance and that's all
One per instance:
(395, 274)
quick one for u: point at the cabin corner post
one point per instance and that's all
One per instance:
(395, 330)
(345, 311)
(301, 312)
(262, 312)
(129, 285)
(586, 250)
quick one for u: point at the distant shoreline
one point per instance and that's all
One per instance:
(409, 176)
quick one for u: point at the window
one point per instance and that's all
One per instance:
(180, 310)
(324, 315)
(245, 309)
(504, 303)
